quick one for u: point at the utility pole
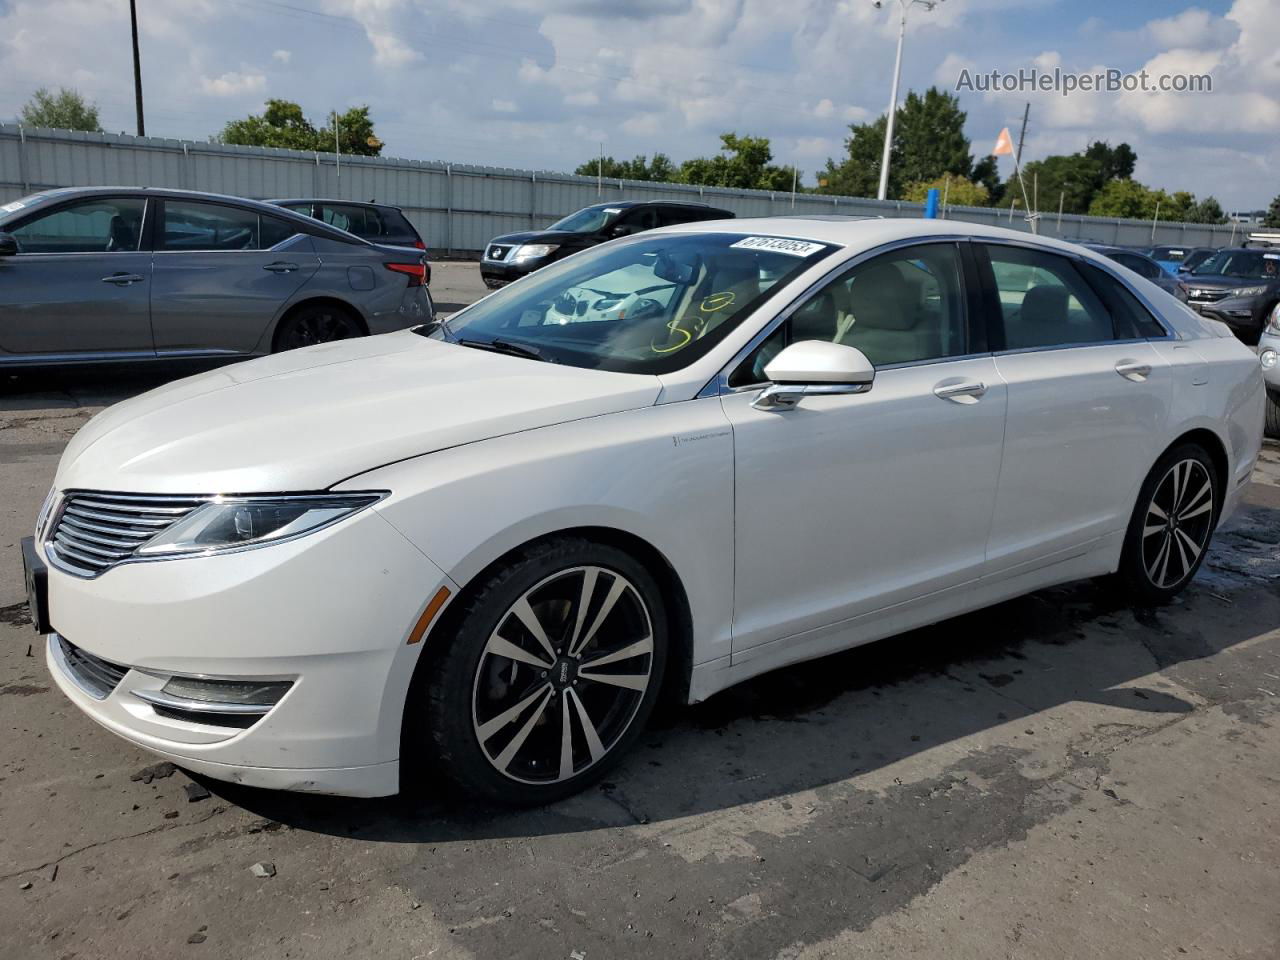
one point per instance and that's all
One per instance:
(1022, 136)
(600, 172)
(795, 177)
(137, 67)
(337, 144)
(893, 93)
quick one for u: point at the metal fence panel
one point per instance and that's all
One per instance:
(458, 208)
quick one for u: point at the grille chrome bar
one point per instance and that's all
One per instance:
(95, 530)
(95, 676)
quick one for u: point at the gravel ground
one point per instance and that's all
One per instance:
(1058, 776)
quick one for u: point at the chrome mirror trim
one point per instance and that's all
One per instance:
(784, 396)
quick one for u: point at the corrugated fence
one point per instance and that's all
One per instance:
(458, 207)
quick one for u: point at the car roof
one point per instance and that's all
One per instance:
(628, 204)
(334, 200)
(58, 194)
(868, 232)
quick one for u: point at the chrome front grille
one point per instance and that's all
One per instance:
(93, 675)
(95, 531)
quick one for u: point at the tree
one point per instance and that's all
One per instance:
(65, 110)
(661, 169)
(1126, 198)
(958, 191)
(928, 143)
(1074, 179)
(282, 124)
(1272, 218)
(742, 163)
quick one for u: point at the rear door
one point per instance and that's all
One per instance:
(222, 274)
(1088, 400)
(80, 283)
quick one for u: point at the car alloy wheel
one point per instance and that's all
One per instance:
(1178, 523)
(316, 325)
(562, 675)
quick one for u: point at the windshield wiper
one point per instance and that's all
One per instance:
(507, 347)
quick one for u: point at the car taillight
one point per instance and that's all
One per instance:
(416, 272)
(419, 244)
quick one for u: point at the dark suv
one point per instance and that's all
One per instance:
(512, 255)
(1239, 286)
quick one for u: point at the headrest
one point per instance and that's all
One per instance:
(880, 299)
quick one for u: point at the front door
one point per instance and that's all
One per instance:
(222, 274)
(80, 283)
(849, 504)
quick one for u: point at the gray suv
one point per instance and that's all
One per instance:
(126, 273)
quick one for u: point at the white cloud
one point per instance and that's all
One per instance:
(233, 84)
(384, 23)
(282, 56)
(583, 98)
(504, 106)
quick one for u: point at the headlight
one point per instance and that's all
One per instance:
(534, 251)
(1274, 323)
(1267, 358)
(1248, 291)
(237, 523)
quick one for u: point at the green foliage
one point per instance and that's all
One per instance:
(1124, 198)
(660, 169)
(1273, 214)
(282, 124)
(928, 143)
(742, 163)
(64, 110)
(1076, 179)
(958, 191)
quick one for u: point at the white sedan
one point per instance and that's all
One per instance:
(483, 548)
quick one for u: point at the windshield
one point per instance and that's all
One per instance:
(649, 305)
(1243, 264)
(588, 219)
(1173, 254)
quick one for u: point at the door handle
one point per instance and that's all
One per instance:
(122, 279)
(963, 391)
(1134, 370)
(281, 267)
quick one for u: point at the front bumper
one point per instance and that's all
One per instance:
(496, 273)
(1245, 317)
(329, 613)
(1270, 342)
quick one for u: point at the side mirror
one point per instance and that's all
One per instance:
(814, 368)
(8, 245)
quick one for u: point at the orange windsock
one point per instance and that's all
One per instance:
(1004, 144)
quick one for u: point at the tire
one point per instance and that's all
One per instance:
(1272, 428)
(1172, 522)
(315, 323)
(497, 702)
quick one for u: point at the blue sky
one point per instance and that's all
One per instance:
(539, 83)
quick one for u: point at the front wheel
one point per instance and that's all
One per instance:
(1272, 428)
(1169, 532)
(550, 673)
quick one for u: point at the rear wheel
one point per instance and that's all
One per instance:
(550, 675)
(1273, 414)
(1169, 532)
(315, 323)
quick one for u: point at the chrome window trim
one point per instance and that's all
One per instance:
(719, 384)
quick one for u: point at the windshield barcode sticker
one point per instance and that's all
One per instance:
(796, 248)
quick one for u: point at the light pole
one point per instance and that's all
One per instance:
(893, 96)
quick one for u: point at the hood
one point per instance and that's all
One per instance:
(306, 419)
(539, 236)
(1191, 281)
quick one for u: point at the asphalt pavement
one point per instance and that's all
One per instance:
(1058, 776)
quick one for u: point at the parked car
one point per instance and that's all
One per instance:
(1139, 263)
(1239, 286)
(1175, 259)
(513, 255)
(101, 274)
(1269, 357)
(492, 542)
(375, 222)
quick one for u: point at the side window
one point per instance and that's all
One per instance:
(636, 221)
(1044, 301)
(208, 226)
(900, 307)
(100, 225)
(350, 219)
(668, 216)
(1131, 319)
(275, 231)
(1139, 265)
